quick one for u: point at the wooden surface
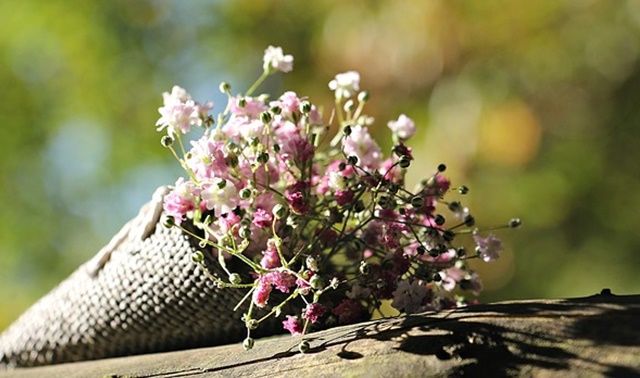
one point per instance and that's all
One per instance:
(593, 336)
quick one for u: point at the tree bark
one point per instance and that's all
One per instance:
(592, 336)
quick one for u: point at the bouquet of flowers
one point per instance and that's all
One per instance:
(325, 227)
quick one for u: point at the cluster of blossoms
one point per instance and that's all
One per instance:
(325, 229)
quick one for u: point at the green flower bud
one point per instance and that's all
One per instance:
(305, 107)
(279, 211)
(275, 110)
(364, 268)
(304, 346)
(235, 278)
(169, 221)
(248, 343)
(417, 202)
(245, 193)
(316, 282)
(404, 162)
(265, 117)
(312, 263)
(224, 87)
(197, 257)
(166, 141)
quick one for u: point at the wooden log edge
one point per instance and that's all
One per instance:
(592, 336)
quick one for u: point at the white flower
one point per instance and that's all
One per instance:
(220, 196)
(345, 84)
(403, 127)
(360, 144)
(488, 248)
(408, 297)
(180, 112)
(337, 181)
(274, 59)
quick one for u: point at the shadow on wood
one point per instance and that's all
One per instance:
(598, 335)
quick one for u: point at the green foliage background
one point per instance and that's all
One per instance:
(534, 105)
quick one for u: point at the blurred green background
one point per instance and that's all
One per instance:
(534, 105)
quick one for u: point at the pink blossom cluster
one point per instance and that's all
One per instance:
(326, 228)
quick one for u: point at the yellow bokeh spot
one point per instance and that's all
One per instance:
(509, 134)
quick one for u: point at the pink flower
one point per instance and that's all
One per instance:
(295, 196)
(270, 258)
(281, 279)
(390, 171)
(344, 197)
(409, 297)
(450, 278)
(178, 113)
(298, 149)
(252, 107)
(181, 200)
(262, 218)
(207, 158)
(261, 293)
(292, 324)
(349, 311)
(289, 103)
(360, 144)
(313, 312)
(403, 127)
(220, 196)
(488, 248)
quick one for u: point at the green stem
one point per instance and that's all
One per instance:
(255, 85)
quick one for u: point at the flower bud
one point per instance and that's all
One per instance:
(363, 96)
(251, 324)
(263, 158)
(248, 343)
(312, 263)
(242, 102)
(221, 183)
(316, 282)
(265, 117)
(364, 268)
(353, 160)
(463, 189)
(245, 232)
(304, 346)
(245, 193)
(347, 130)
(515, 222)
(197, 257)
(276, 148)
(235, 278)
(166, 141)
(442, 167)
(275, 110)
(279, 211)
(169, 221)
(439, 219)
(417, 202)
(349, 105)
(469, 221)
(224, 87)
(305, 107)
(404, 162)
